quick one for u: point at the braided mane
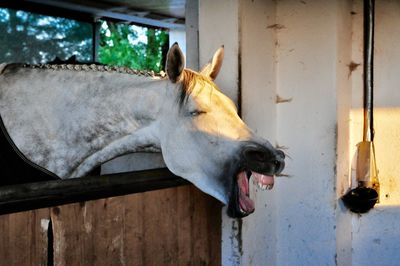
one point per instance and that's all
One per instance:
(97, 68)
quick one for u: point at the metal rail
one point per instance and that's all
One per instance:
(30, 196)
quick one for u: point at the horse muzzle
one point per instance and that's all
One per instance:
(263, 160)
(261, 163)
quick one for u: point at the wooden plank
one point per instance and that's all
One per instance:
(214, 223)
(52, 193)
(24, 238)
(185, 208)
(134, 229)
(89, 233)
(176, 226)
(160, 242)
(109, 235)
(206, 229)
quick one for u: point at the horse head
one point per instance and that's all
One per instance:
(204, 140)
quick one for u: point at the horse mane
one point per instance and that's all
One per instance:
(96, 68)
(188, 81)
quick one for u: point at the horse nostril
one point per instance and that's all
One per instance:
(281, 154)
(279, 165)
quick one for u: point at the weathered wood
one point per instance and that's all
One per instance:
(89, 233)
(206, 242)
(52, 193)
(24, 238)
(174, 226)
(184, 215)
(134, 229)
(161, 227)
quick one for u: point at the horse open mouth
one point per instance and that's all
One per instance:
(246, 204)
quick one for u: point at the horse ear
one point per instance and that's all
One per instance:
(212, 68)
(175, 63)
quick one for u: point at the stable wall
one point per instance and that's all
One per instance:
(286, 57)
(290, 62)
(307, 76)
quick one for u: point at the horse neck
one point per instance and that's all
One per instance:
(123, 118)
(136, 99)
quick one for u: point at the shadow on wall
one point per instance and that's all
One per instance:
(379, 234)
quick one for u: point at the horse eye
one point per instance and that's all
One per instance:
(196, 113)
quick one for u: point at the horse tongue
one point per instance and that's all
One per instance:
(245, 203)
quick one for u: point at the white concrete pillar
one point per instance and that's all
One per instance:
(219, 25)
(248, 76)
(192, 34)
(343, 161)
(306, 125)
(179, 36)
(259, 111)
(313, 54)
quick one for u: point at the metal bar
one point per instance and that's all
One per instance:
(46, 10)
(98, 12)
(95, 40)
(30, 196)
(192, 34)
(368, 133)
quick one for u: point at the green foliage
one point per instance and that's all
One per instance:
(119, 45)
(34, 38)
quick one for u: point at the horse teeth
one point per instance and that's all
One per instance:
(265, 187)
(261, 186)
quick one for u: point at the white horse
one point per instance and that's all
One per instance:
(67, 119)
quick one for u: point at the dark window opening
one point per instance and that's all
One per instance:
(34, 38)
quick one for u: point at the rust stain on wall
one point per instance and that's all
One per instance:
(352, 67)
(279, 99)
(276, 26)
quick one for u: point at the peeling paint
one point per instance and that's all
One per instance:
(236, 242)
(279, 99)
(276, 26)
(352, 67)
(44, 224)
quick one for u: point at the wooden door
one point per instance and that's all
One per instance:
(175, 226)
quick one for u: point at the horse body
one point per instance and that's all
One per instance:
(79, 119)
(69, 119)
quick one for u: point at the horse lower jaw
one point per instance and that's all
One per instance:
(246, 205)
